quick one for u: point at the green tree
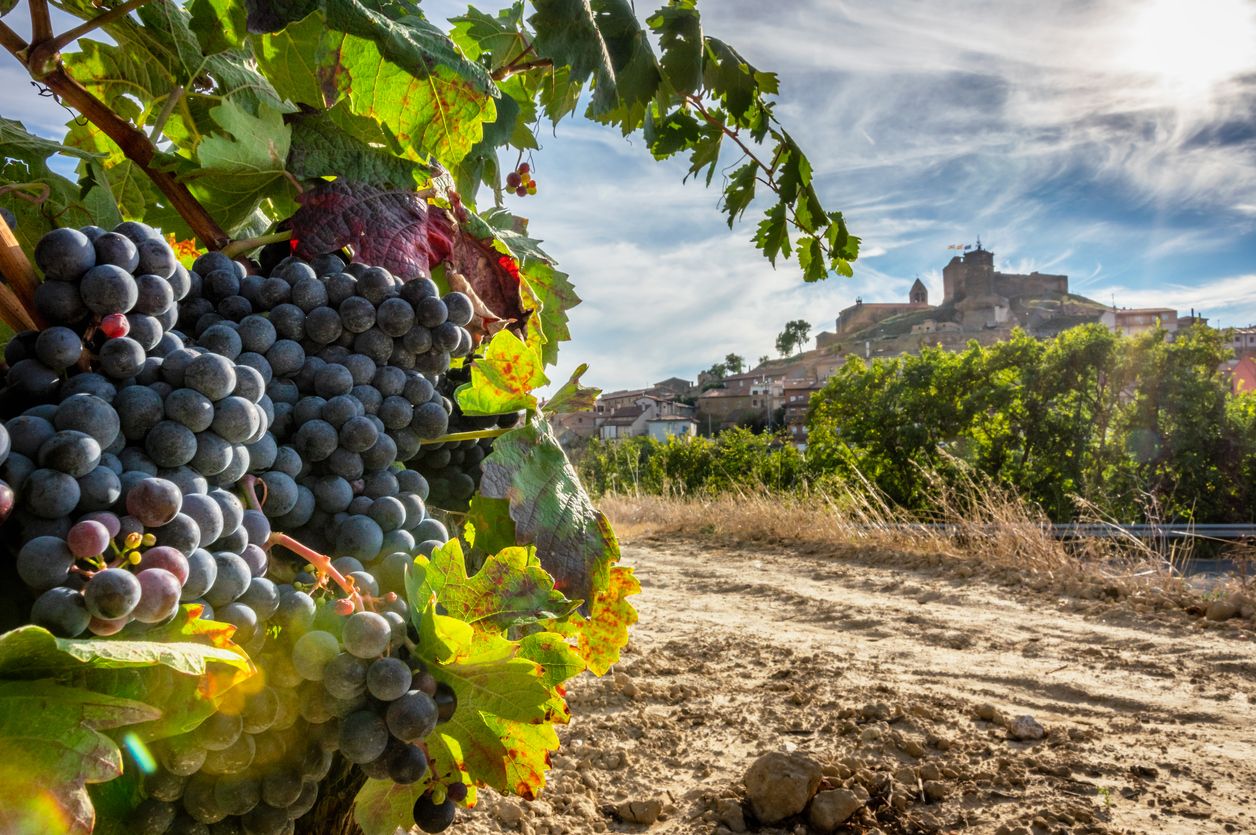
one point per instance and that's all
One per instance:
(793, 337)
(734, 363)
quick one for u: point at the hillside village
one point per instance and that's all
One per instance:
(978, 303)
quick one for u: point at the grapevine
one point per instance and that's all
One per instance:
(292, 547)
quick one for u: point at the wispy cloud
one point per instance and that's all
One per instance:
(1230, 301)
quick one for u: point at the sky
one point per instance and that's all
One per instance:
(1111, 140)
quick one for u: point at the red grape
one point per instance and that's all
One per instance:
(115, 325)
(88, 538)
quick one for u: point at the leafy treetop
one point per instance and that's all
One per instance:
(793, 337)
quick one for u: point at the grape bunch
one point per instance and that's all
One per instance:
(520, 181)
(238, 446)
(453, 469)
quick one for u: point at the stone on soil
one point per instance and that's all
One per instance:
(640, 811)
(1026, 728)
(779, 785)
(830, 809)
(728, 812)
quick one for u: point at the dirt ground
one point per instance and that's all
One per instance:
(900, 680)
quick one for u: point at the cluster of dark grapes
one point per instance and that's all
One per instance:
(204, 437)
(453, 469)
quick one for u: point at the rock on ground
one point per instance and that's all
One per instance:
(830, 809)
(1026, 728)
(780, 785)
(640, 811)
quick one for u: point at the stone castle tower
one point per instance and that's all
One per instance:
(973, 277)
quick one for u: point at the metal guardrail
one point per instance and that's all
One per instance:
(1108, 531)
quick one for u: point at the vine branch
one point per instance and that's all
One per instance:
(697, 105)
(41, 21)
(137, 148)
(11, 40)
(69, 36)
(43, 63)
(244, 245)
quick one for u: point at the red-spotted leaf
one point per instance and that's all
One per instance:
(605, 632)
(492, 274)
(503, 379)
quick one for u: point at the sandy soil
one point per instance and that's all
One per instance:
(882, 672)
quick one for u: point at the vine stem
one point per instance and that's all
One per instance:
(475, 435)
(244, 245)
(320, 561)
(172, 99)
(697, 105)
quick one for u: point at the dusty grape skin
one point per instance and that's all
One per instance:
(112, 594)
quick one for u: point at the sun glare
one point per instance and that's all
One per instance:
(1190, 46)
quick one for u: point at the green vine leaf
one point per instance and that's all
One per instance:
(291, 60)
(273, 15)
(42, 199)
(510, 589)
(773, 233)
(219, 25)
(572, 397)
(680, 35)
(242, 166)
(337, 143)
(46, 762)
(636, 70)
(566, 32)
(30, 652)
(503, 379)
(550, 508)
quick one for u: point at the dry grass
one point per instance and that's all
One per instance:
(976, 525)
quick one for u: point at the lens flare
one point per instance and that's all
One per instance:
(144, 759)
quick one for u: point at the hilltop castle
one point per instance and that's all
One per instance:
(976, 299)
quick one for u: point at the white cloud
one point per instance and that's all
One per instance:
(1229, 301)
